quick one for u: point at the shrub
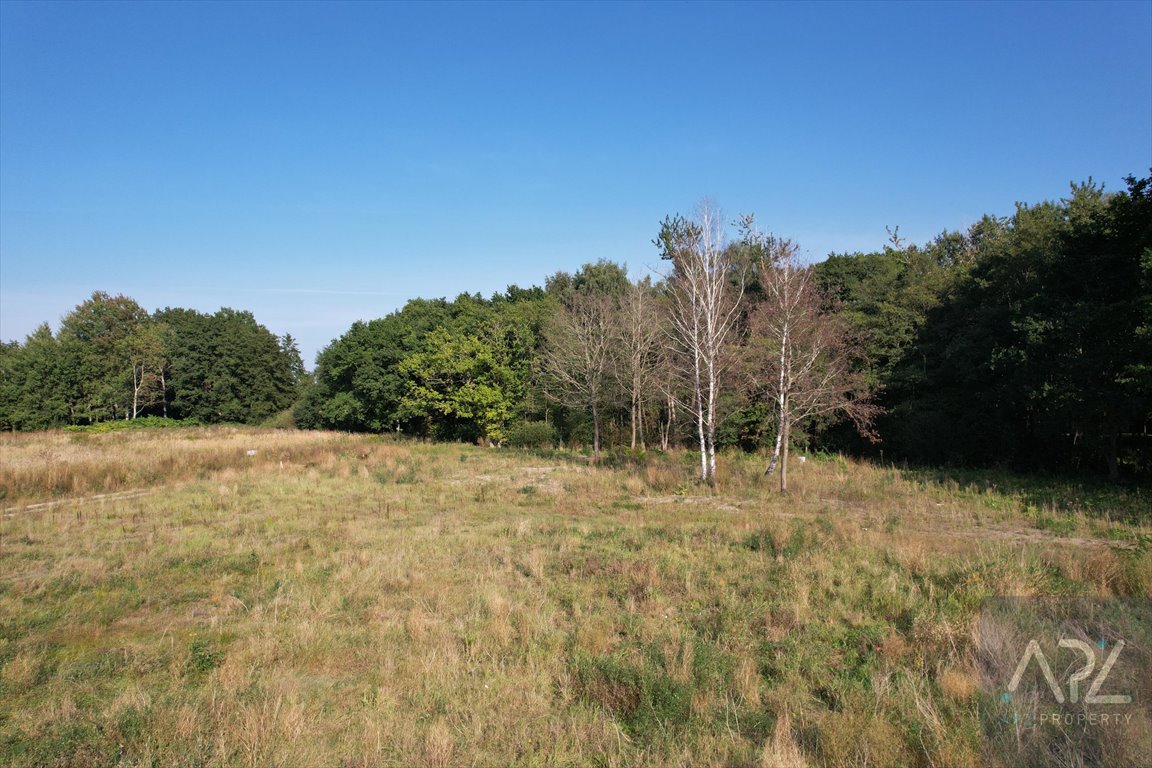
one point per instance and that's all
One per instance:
(623, 457)
(286, 419)
(144, 422)
(531, 434)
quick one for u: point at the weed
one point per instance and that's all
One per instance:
(645, 700)
(204, 655)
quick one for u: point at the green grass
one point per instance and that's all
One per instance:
(1000, 490)
(365, 603)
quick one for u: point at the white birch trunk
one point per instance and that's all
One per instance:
(700, 430)
(711, 425)
(784, 458)
(137, 383)
(780, 402)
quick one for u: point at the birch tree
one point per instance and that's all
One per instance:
(146, 351)
(706, 289)
(93, 338)
(801, 356)
(576, 363)
(639, 335)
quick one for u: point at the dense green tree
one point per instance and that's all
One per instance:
(147, 349)
(360, 383)
(227, 367)
(461, 386)
(10, 376)
(1034, 358)
(251, 379)
(190, 358)
(32, 383)
(603, 277)
(97, 363)
(297, 373)
(886, 297)
(357, 386)
(1094, 385)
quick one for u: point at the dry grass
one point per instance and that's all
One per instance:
(339, 600)
(38, 467)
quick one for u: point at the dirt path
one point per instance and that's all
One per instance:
(100, 497)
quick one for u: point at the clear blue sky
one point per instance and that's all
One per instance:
(322, 163)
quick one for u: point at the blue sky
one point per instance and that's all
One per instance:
(322, 163)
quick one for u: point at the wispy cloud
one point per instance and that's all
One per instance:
(282, 290)
(323, 291)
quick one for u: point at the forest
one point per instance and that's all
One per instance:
(1024, 342)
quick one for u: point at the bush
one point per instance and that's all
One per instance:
(204, 656)
(144, 422)
(531, 434)
(286, 419)
(623, 457)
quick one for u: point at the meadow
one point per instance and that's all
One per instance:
(243, 597)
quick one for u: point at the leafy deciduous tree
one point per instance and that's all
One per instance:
(465, 381)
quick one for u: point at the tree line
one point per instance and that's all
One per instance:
(113, 360)
(1024, 341)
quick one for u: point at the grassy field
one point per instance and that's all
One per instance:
(225, 597)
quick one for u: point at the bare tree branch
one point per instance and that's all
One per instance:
(705, 304)
(577, 357)
(801, 354)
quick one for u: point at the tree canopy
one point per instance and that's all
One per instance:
(112, 360)
(1024, 341)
